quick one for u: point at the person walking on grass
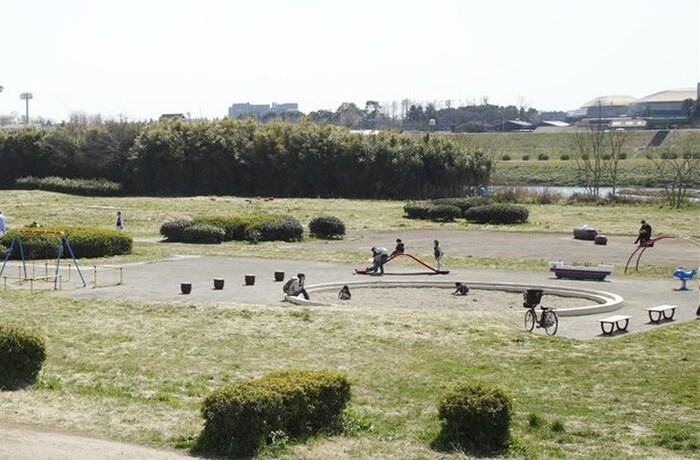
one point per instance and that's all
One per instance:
(120, 221)
(437, 252)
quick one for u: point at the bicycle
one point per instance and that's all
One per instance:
(547, 320)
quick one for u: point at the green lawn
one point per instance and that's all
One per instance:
(138, 372)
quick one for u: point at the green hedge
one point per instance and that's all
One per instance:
(87, 187)
(236, 227)
(22, 354)
(463, 203)
(86, 243)
(475, 417)
(327, 227)
(174, 230)
(417, 210)
(497, 214)
(283, 228)
(444, 212)
(240, 418)
(203, 234)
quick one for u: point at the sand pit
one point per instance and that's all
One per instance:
(440, 298)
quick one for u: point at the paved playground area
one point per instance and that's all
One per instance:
(160, 280)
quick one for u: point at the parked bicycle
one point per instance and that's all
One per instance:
(547, 319)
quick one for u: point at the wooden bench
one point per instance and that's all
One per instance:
(614, 322)
(666, 312)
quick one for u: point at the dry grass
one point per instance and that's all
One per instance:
(137, 372)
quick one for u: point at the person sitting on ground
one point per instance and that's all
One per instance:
(344, 293)
(295, 286)
(400, 248)
(462, 289)
(644, 234)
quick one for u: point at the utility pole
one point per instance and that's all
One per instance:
(25, 97)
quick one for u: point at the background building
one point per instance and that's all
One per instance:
(245, 109)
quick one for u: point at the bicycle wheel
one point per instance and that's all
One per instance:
(530, 319)
(551, 322)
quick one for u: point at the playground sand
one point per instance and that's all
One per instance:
(441, 298)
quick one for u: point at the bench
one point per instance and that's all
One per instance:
(666, 312)
(614, 322)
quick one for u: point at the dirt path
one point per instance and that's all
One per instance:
(22, 442)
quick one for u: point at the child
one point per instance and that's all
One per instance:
(462, 289)
(437, 252)
(400, 248)
(344, 293)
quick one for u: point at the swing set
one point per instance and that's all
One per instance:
(17, 243)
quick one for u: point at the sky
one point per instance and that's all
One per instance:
(137, 59)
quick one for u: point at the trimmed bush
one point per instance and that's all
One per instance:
(236, 227)
(444, 212)
(463, 203)
(241, 418)
(327, 227)
(417, 210)
(475, 417)
(174, 230)
(497, 214)
(505, 157)
(283, 228)
(87, 187)
(526, 157)
(22, 354)
(86, 243)
(564, 157)
(543, 157)
(203, 234)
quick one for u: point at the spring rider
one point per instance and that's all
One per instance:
(684, 276)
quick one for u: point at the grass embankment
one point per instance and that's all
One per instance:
(634, 171)
(138, 372)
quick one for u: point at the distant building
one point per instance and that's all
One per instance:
(173, 116)
(666, 109)
(663, 110)
(509, 126)
(599, 112)
(245, 109)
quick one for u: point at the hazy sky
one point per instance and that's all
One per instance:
(147, 57)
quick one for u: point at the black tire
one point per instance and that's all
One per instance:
(551, 322)
(530, 320)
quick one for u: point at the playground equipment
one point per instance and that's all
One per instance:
(62, 242)
(639, 250)
(684, 276)
(363, 271)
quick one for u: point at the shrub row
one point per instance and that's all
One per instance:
(85, 242)
(497, 214)
(240, 418)
(22, 354)
(214, 230)
(473, 209)
(88, 187)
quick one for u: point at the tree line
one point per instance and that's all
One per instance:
(246, 158)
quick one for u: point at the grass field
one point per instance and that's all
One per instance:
(137, 371)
